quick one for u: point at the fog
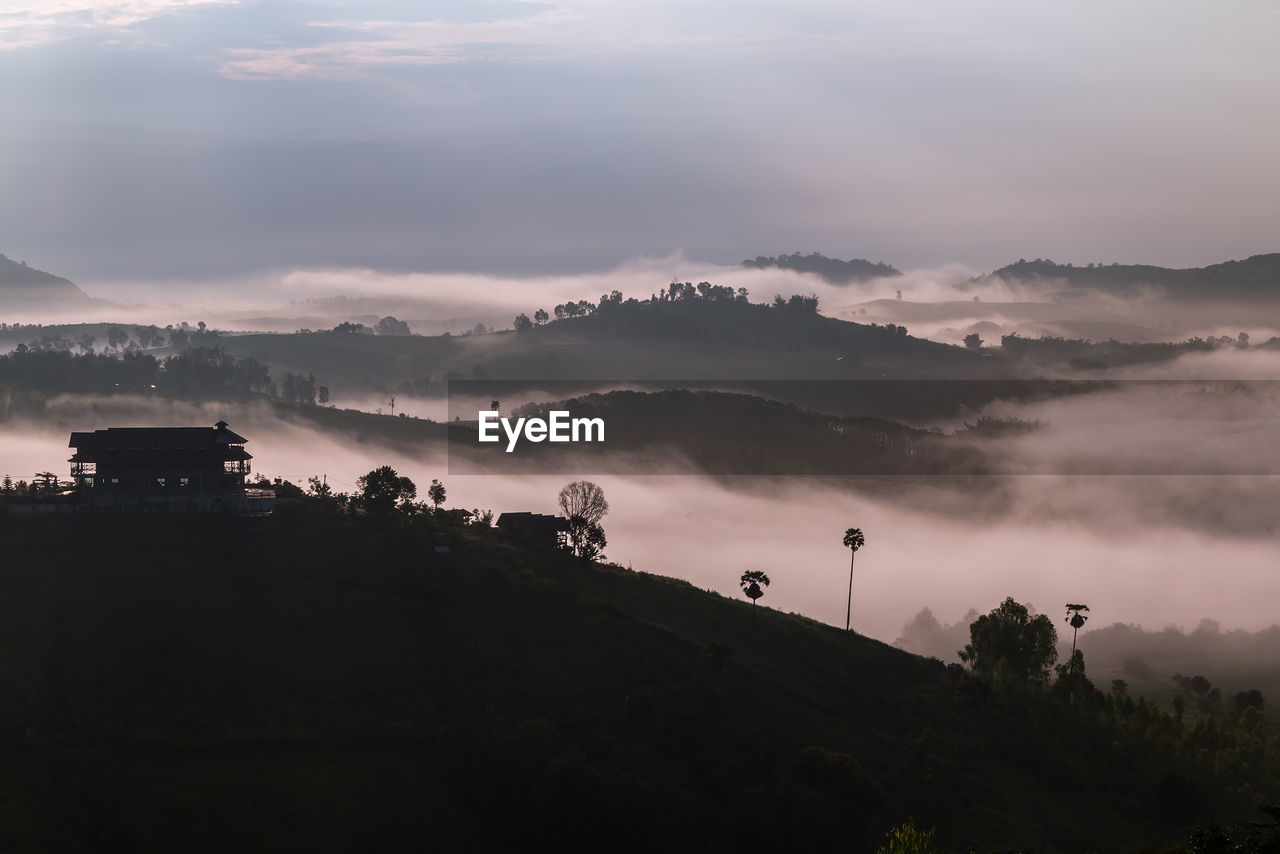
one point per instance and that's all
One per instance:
(925, 300)
(433, 302)
(1124, 545)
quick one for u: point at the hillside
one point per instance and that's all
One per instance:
(25, 287)
(1256, 277)
(682, 339)
(323, 682)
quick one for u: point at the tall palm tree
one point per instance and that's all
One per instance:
(1076, 619)
(853, 540)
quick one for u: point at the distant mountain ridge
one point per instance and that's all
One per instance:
(834, 270)
(25, 286)
(1256, 276)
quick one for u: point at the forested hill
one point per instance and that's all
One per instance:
(1257, 277)
(834, 270)
(327, 680)
(22, 286)
(719, 336)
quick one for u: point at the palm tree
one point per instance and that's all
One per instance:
(751, 582)
(853, 540)
(1076, 619)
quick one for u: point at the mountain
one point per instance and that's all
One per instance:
(328, 681)
(832, 269)
(22, 286)
(630, 340)
(1256, 277)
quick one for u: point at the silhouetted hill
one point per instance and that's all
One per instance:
(1257, 277)
(326, 682)
(833, 270)
(631, 340)
(22, 286)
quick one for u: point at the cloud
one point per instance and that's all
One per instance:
(1056, 539)
(428, 299)
(28, 23)
(581, 30)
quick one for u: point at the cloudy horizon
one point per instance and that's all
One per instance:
(190, 139)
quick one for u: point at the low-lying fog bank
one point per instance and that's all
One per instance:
(1150, 550)
(925, 300)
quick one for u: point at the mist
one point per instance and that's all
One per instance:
(927, 301)
(1044, 540)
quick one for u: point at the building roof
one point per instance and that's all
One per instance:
(533, 521)
(152, 441)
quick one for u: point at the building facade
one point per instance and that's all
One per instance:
(159, 463)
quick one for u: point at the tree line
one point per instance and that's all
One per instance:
(683, 293)
(194, 372)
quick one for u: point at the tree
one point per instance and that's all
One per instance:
(591, 542)
(322, 394)
(436, 493)
(853, 540)
(523, 323)
(306, 389)
(383, 488)
(1076, 619)
(973, 341)
(391, 326)
(907, 839)
(1072, 680)
(753, 582)
(584, 505)
(1011, 647)
(540, 316)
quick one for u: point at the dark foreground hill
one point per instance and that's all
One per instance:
(24, 287)
(324, 682)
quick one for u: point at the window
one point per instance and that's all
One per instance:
(159, 481)
(183, 481)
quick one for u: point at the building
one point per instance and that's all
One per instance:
(181, 467)
(533, 530)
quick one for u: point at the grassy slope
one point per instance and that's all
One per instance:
(313, 683)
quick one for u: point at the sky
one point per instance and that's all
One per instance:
(187, 140)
